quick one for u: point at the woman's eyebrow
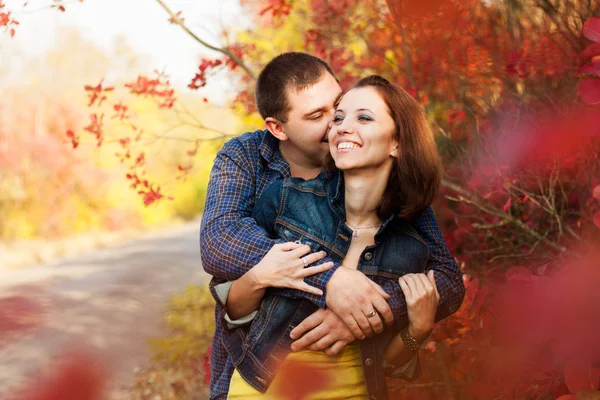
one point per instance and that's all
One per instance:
(364, 109)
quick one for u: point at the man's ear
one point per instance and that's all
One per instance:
(276, 128)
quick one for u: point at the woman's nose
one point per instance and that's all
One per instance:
(345, 128)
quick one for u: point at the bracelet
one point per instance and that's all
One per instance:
(409, 341)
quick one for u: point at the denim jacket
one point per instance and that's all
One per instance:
(312, 212)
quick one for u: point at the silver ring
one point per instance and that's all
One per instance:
(372, 314)
(305, 262)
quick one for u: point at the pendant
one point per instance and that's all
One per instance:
(355, 234)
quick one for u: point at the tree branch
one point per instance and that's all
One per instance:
(177, 20)
(467, 197)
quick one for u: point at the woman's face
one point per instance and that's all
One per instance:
(362, 135)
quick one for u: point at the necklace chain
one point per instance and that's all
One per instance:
(355, 229)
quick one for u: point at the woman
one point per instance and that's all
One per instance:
(388, 173)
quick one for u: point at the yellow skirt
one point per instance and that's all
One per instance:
(319, 376)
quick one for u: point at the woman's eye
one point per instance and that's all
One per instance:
(364, 118)
(338, 118)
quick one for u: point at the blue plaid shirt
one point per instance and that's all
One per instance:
(231, 242)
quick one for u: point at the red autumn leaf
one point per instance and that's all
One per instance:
(567, 397)
(597, 219)
(507, 206)
(596, 192)
(592, 50)
(589, 91)
(591, 68)
(591, 29)
(578, 375)
(12, 33)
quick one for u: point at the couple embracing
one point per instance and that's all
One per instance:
(321, 240)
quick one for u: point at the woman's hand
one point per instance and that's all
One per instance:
(422, 300)
(283, 266)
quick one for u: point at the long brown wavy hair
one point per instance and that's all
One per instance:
(417, 171)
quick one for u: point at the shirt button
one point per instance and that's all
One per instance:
(368, 256)
(369, 362)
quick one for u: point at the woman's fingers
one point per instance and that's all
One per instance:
(412, 284)
(405, 288)
(288, 246)
(305, 287)
(316, 269)
(301, 250)
(431, 277)
(313, 257)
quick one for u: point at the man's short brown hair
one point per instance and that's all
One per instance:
(295, 71)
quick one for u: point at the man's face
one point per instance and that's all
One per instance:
(311, 111)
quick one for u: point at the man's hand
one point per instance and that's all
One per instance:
(358, 301)
(323, 330)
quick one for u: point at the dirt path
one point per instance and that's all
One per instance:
(110, 300)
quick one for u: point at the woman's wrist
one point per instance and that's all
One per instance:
(419, 334)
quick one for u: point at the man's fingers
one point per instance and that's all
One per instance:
(376, 323)
(364, 324)
(384, 310)
(309, 338)
(379, 290)
(336, 348)
(309, 323)
(353, 326)
(316, 269)
(322, 343)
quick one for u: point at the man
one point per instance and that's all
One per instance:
(296, 95)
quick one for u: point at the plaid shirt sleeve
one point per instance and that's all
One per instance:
(231, 241)
(448, 277)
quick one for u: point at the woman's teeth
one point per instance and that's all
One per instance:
(346, 145)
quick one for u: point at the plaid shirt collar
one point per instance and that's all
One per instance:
(269, 151)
